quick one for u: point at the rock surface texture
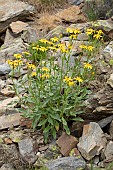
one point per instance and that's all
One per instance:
(12, 11)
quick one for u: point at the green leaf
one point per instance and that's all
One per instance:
(78, 119)
(50, 120)
(35, 121)
(42, 122)
(55, 116)
(67, 130)
(47, 129)
(54, 133)
(56, 126)
(64, 121)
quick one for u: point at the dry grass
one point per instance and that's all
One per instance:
(50, 6)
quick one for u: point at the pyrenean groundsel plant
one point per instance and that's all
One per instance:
(52, 96)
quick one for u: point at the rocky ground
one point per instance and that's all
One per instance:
(91, 141)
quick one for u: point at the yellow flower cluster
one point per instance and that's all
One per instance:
(88, 48)
(31, 66)
(96, 34)
(70, 81)
(73, 32)
(15, 63)
(39, 48)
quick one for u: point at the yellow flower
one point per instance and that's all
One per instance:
(90, 31)
(52, 48)
(18, 56)
(43, 41)
(31, 66)
(33, 74)
(78, 79)
(67, 79)
(97, 36)
(77, 31)
(54, 39)
(69, 30)
(71, 83)
(44, 76)
(100, 32)
(90, 48)
(45, 69)
(14, 63)
(43, 49)
(10, 62)
(87, 65)
(83, 46)
(26, 53)
(73, 37)
(35, 48)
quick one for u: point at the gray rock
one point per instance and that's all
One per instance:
(109, 150)
(27, 151)
(13, 10)
(4, 69)
(8, 50)
(9, 155)
(104, 122)
(29, 35)
(92, 141)
(66, 163)
(75, 2)
(7, 167)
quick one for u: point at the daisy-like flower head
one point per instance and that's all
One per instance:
(71, 83)
(90, 48)
(83, 46)
(33, 74)
(70, 30)
(43, 49)
(18, 56)
(97, 36)
(54, 39)
(31, 66)
(78, 79)
(67, 79)
(45, 69)
(87, 66)
(77, 31)
(90, 31)
(45, 76)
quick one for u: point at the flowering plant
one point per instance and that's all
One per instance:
(53, 96)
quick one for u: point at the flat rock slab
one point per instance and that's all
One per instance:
(13, 10)
(8, 121)
(66, 163)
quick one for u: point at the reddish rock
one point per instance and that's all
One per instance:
(66, 143)
(18, 26)
(72, 14)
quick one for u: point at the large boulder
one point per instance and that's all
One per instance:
(96, 9)
(12, 10)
